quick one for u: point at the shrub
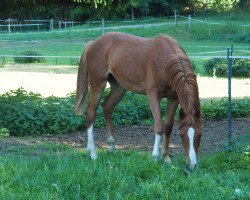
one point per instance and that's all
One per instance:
(217, 109)
(35, 57)
(4, 132)
(3, 62)
(218, 67)
(75, 61)
(25, 113)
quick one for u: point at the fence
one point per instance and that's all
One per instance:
(13, 25)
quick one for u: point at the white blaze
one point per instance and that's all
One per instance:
(91, 145)
(156, 150)
(192, 154)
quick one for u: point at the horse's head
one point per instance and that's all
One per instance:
(190, 131)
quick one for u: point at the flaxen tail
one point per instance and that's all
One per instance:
(81, 86)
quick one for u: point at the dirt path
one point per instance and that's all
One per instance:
(140, 137)
(61, 80)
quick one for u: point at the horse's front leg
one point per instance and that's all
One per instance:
(170, 111)
(154, 102)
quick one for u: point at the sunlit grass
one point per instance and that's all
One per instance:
(49, 171)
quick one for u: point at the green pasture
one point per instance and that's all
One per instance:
(201, 40)
(38, 170)
(50, 171)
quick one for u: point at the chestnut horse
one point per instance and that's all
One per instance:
(157, 67)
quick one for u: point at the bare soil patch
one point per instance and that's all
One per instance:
(140, 138)
(61, 80)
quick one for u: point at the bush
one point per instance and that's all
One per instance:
(3, 62)
(25, 113)
(35, 57)
(217, 109)
(218, 67)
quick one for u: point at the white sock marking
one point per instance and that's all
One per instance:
(156, 150)
(192, 154)
(91, 145)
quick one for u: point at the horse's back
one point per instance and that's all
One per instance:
(136, 63)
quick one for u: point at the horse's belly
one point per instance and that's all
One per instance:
(131, 83)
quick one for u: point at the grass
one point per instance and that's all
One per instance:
(50, 171)
(71, 41)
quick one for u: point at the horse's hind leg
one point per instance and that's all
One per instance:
(115, 95)
(96, 90)
(170, 111)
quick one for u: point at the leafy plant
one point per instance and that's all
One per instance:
(240, 67)
(217, 109)
(3, 62)
(4, 132)
(75, 61)
(28, 113)
(24, 113)
(30, 57)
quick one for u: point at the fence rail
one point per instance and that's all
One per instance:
(13, 25)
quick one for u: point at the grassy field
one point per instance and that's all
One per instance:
(71, 41)
(49, 171)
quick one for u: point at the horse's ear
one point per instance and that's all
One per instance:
(181, 113)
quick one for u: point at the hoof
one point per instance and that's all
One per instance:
(112, 143)
(167, 160)
(156, 156)
(111, 148)
(93, 155)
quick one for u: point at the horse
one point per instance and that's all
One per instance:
(156, 67)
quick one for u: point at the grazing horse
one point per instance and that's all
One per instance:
(157, 67)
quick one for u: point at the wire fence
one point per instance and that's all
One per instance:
(61, 42)
(14, 25)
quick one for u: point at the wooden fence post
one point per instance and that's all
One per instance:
(189, 23)
(102, 26)
(9, 25)
(175, 18)
(51, 25)
(209, 30)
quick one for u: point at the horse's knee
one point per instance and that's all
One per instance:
(91, 113)
(158, 127)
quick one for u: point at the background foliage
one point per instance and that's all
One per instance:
(34, 57)
(83, 9)
(218, 67)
